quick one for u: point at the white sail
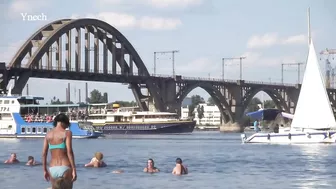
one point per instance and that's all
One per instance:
(313, 109)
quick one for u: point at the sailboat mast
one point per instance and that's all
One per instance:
(309, 32)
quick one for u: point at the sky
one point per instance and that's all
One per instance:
(268, 33)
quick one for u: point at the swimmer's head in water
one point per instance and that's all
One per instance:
(30, 158)
(13, 155)
(150, 162)
(178, 161)
(62, 119)
(99, 156)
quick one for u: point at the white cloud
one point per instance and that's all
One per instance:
(156, 23)
(257, 60)
(110, 1)
(173, 3)
(121, 20)
(270, 39)
(25, 6)
(153, 3)
(118, 20)
(296, 39)
(8, 52)
(199, 65)
(265, 40)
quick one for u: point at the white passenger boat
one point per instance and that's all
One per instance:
(113, 119)
(24, 117)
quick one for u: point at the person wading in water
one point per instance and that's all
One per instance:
(180, 169)
(62, 169)
(151, 167)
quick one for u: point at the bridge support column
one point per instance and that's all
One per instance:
(167, 94)
(21, 83)
(151, 104)
(4, 77)
(237, 107)
(230, 127)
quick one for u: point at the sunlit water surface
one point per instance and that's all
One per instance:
(214, 160)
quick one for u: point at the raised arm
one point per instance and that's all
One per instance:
(89, 164)
(45, 154)
(69, 150)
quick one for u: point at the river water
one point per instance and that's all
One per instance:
(214, 160)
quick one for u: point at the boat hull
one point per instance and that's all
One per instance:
(148, 128)
(291, 138)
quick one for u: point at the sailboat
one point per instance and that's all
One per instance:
(313, 120)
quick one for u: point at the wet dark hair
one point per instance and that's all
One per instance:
(30, 158)
(150, 159)
(178, 160)
(61, 183)
(61, 118)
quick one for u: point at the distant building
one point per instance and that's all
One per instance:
(212, 115)
(186, 102)
(184, 112)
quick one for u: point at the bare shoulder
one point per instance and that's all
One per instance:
(48, 135)
(68, 133)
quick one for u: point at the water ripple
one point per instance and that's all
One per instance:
(214, 161)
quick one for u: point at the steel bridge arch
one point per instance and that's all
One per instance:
(214, 93)
(25, 48)
(68, 24)
(275, 96)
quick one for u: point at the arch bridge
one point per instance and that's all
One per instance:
(92, 50)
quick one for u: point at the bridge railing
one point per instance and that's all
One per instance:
(270, 83)
(208, 79)
(118, 72)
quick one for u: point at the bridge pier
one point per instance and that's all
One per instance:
(20, 83)
(4, 77)
(231, 127)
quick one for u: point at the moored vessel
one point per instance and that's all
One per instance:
(113, 119)
(24, 117)
(313, 120)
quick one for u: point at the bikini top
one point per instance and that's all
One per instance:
(58, 146)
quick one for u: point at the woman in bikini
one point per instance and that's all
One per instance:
(150, 167)
(62, 168)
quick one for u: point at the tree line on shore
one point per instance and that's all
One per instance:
(95, 97)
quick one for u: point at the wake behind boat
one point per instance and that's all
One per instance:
(24, 117)
(318, 126)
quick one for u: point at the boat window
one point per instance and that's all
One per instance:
(39, 130)
(49, 129)
(9, 126)
(34, 129)
(28, 130)
(23, 130)
(45, 130)
(6, 102)
(0, 101)
(13, 101)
